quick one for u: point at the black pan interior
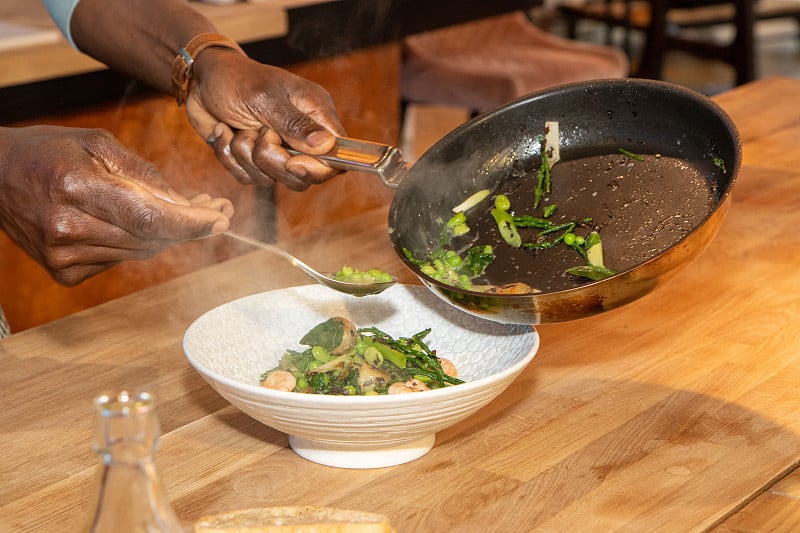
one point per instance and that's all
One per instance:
(640, 208)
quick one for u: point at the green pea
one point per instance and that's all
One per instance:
(453, 260)
(502, 202)
(360, 346)
(569, 239)
(457, 220)
(320, 354)
(461, 229)
(579, 240)
(379, 275)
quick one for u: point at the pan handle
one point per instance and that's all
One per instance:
(365, 156)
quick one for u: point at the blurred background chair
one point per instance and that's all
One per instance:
(677, 25)
(482, 64)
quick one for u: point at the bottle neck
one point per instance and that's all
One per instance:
(130, 494)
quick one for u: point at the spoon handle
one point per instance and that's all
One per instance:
(348, 287)
(274, 249)
(365, 156)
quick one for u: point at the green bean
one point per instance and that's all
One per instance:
(543, 180)
(538, 245)
(548, 210)
(637, 157)
(591, 272)
(568, 226)
(529, 221)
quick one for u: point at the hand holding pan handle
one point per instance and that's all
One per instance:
(365, 156)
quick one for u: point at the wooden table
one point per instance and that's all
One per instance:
(678, 412)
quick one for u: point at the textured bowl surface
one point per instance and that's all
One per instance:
(233, 344)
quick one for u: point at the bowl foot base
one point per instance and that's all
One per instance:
(355, 456)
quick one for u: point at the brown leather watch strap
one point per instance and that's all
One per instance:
(182, 65)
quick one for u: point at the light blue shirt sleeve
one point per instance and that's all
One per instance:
(61, 13)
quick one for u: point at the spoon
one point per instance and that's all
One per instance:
(327, 279)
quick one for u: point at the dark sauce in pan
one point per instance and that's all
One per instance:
(640, 209)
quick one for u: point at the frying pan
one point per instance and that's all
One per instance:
(654, 215)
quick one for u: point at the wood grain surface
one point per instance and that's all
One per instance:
(678, 412)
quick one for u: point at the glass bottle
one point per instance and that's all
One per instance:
(130, 495)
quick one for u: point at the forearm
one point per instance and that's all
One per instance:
(137, 37)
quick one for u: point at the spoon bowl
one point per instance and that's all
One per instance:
(327, 279)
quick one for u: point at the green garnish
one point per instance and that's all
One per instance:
(637, 157)
(353, 275)
(472, 201)
(372, 362)
(720, 164)
(591, 249)
(327, 335)
(449, 267)
(543, 179)
(591, 272)
(507, 228)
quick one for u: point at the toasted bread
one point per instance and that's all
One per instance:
(299, 519)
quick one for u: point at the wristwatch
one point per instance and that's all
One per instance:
(182, 65)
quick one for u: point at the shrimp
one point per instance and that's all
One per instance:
(448, 367)
(412, 385)
(280, 380)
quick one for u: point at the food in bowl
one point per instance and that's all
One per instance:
(342, 359)
(232, 344)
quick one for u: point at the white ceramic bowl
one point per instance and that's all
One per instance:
(233, 344)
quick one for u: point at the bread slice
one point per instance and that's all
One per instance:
(298, 519)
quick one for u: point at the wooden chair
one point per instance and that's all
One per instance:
(664, 24)
(482, 64)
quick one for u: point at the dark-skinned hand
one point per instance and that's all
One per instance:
(247, 111)
(79, 202)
